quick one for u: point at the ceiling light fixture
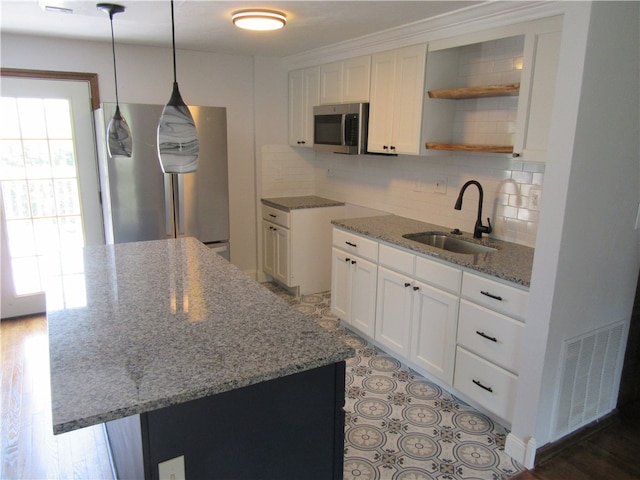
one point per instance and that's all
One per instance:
(178, 146)
(259, 19)
(119, 140)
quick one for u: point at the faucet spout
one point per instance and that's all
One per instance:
(478, 229)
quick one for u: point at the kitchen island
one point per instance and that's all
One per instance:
(181, 354)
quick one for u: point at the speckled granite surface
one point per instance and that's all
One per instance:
(294, 203)
(170, 321)
(511, 262)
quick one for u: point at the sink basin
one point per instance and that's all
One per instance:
(445, 242)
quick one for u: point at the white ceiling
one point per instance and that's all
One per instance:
(206, 25)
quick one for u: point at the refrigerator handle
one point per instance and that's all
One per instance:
(168, 204)
(179, 206)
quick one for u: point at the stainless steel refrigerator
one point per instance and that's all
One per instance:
(139, 201)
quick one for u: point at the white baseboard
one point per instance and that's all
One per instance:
(521, 451)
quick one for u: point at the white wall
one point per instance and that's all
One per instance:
(586, 262)
(145, 75)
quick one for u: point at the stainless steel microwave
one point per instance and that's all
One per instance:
(341, 128)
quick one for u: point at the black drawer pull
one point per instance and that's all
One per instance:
(484, 335)
(353, 262)
(490, 295)
(416, 289)
(488, 389)
(407, 285)
(273, 216)
(351, 244)
(347, 260)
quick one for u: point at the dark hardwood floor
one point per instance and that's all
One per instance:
(611, 452)
(28, 447)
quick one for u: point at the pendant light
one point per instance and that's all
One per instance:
(119, 140)
(177, 135)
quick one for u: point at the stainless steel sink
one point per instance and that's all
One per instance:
(445, 242)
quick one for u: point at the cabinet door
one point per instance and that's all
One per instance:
(331, 83)
(356, 74)
(303, 96)
(393, 313)
(542, 51)
(408, 97)
(381, 98)
(340, 284)
(268, 249)
(282, 263)
(363, 295)
(434, 326)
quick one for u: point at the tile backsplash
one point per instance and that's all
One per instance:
(423, 188)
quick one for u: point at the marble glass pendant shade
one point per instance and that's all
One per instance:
(178, 146)
(119, 139)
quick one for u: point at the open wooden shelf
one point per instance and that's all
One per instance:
(504, 90)
(462, 147)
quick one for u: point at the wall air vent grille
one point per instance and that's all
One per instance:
(591, 364)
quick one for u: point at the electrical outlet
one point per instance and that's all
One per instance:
(440, 185)
(534, 198)
(172, 469)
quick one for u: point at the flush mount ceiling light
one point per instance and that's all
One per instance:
(254, 19)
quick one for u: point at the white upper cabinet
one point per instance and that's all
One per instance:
(304, 94)
(397, 89)
(492, 91)
(345, 81)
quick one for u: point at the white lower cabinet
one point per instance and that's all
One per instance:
(275, 246)
(459, 327)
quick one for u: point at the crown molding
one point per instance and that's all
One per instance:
(487, 15)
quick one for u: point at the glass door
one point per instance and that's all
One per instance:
(49, 191)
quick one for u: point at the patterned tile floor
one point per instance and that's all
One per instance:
(399, 426)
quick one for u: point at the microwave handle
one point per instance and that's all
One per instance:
(344, 129)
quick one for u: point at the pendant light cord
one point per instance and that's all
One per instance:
(113, 48)
(173, 40)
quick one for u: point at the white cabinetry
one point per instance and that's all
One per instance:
(414, 319)
(492, 91)
(345, 81)
(353, 282)
(304, 94)
(489, 343)
(397, 90)
(296, 246)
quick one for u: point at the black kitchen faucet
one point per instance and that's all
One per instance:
(478, 229)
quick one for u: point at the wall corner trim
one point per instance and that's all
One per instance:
(521, 451)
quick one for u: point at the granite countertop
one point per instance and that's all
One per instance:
(293, 203)
(512, 262)
(166, 322)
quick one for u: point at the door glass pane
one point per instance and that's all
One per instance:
(39, 181)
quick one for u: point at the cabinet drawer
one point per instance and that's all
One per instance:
(396, 259)
(491, 386)
(491, 335)
(439, 275)
(279, 217)
(496, 296)
(349, 242)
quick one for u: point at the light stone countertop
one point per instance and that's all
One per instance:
(166, 322)
(294, 203)
(512, 262)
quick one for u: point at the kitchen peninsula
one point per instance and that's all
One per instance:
(181, 354)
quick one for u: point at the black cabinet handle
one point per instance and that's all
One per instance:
(347, 260)
(351, 244)
(416, 288)
(385, 147)
(488, 389)
(484, 335)
(353, 262)
(273, 216)
(392, 147)
(407, 285)
(490, 295)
